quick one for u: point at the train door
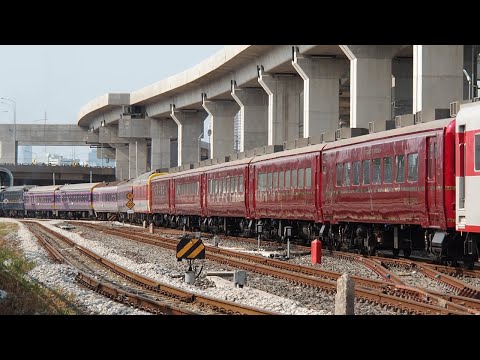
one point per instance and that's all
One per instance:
(252, 188)
(317, 187)
(203, 193)
(173, 196)
(431, 183)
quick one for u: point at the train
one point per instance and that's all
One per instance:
(410, 188)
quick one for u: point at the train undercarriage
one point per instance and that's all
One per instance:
(446, 247)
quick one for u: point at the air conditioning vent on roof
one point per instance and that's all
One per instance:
(418, 118)
(455, 107)
(371, 127)
(338, 134)
(404, 120)
(398, 122)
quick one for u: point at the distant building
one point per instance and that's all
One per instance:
(26, 154)
(92, 158)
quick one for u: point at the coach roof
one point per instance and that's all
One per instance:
(83, 186)
(47, 188)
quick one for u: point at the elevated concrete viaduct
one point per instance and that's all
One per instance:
(281, 93)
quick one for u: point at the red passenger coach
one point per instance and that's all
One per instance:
(225, 197)
(284, 187)
(186, 197)
(142, 195)
(388, 188)
(161, 200)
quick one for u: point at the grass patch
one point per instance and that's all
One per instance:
(25, 297)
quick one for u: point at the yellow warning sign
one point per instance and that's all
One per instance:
(190, 249)
(129, 196)
(130, 204)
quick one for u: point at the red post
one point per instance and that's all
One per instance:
(316, 251)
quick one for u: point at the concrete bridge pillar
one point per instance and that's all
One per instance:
(8, 148)
(284, 106)
(162, 130)
(320, 92)
(437, 76)
(137, 157)
(253, 104)
(190, 126)
(402, 86)
(121, 161)
(222, 113)
(370, 82)
(8, 151)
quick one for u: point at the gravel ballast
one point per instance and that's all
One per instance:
(61, 277)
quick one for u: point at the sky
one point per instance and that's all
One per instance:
(61, 79)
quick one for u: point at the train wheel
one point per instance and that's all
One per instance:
(407, 252)
(468, 262)
(452, 263)
(396, 252)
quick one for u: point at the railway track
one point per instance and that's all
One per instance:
(150, 290)
(466, 296)
(381, 292)
(452, 271)
(378, 265)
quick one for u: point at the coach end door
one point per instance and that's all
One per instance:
(431, 181)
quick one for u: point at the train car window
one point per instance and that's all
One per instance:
(281, 182)
(240, 185)
(366, 172)
(287, 179)
(269, 181)
(377, 171)
(346, 173)
(301, 178)
(275, 180)
(224, 188)
(308, 178)
(387, 170)
(339, 174)
(400, 165)
(356, 173)
(210, 186)
(412, 167)
(294, 178)
(477, 152)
